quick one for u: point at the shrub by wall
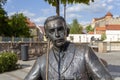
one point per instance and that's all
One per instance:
(8, 61)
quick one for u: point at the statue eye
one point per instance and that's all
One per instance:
(60, 28)
(51, 30)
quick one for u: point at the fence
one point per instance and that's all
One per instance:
(17, 39)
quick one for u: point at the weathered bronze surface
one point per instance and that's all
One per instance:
(67, 61)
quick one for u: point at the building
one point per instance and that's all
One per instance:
(103, 24)
(33, 29)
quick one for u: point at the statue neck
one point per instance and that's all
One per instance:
(62, 48)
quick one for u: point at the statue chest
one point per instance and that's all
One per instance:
(73, 67)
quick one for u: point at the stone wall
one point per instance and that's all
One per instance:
(35, 49)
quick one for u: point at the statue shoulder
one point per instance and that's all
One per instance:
(42, 59)
(82, 46)
(82, 49)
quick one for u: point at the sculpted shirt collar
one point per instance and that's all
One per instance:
(62, 48)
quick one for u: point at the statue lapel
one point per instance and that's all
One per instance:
(53, 64)
(69, 56)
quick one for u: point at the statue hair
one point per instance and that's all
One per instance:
(51, 18)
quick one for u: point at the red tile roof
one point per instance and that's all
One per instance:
(108, 14)
(100, 28)
(113, 27)
(96, 19)
(30, 24)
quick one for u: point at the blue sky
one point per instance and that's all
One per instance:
(39, 10)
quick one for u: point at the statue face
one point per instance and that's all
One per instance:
(56, 32)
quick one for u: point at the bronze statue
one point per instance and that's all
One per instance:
(66, 60)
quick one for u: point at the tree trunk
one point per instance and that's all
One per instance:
(65, 11)
(58, 8)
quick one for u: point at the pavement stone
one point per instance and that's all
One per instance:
(112, 58)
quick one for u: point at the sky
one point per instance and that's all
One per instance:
(39, 10)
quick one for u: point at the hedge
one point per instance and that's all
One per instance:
(8, 61)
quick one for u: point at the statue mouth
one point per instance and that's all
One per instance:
(60, 40)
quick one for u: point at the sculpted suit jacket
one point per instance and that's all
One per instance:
(79, 63)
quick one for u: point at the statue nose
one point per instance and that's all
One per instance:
(57, 33)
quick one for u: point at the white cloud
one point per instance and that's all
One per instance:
(12, 13)
(85, 22)
(47, 11)
(116, 16)
(27, 13)
(104, 4)
(39, 21)
(92, 8)
(73, 16)
(109, 1)
(74, 8)
(110, 7)
(97, 6)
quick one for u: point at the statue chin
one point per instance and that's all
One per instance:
(59, 44)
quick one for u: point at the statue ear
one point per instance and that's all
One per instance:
(68, 31)
(46, 36)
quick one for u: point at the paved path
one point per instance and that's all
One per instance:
(113, 59)
(20, 73)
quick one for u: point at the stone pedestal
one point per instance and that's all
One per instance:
(102, 47)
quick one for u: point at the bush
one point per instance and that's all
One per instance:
(103, 37)
(8, 61)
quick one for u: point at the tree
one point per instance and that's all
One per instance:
(75, 28)
(19, 25)
(103, 36)
(4, 27)
(89, 28)
(56, 3)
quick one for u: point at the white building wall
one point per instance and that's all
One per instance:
(113, 35)
(85, 38)
(115, 32)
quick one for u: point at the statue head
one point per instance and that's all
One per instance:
(56, 30)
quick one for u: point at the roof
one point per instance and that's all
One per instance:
(96, 19)
(100, 28)
(42, 29)
(91, 32)
(108, 14)
(113, 27)
(30, 24)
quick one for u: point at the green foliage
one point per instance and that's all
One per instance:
(103, 36)
(75, 27)
(19, 27)
(4, 27)
(89, 28)
(16, 26)
(8, 61)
